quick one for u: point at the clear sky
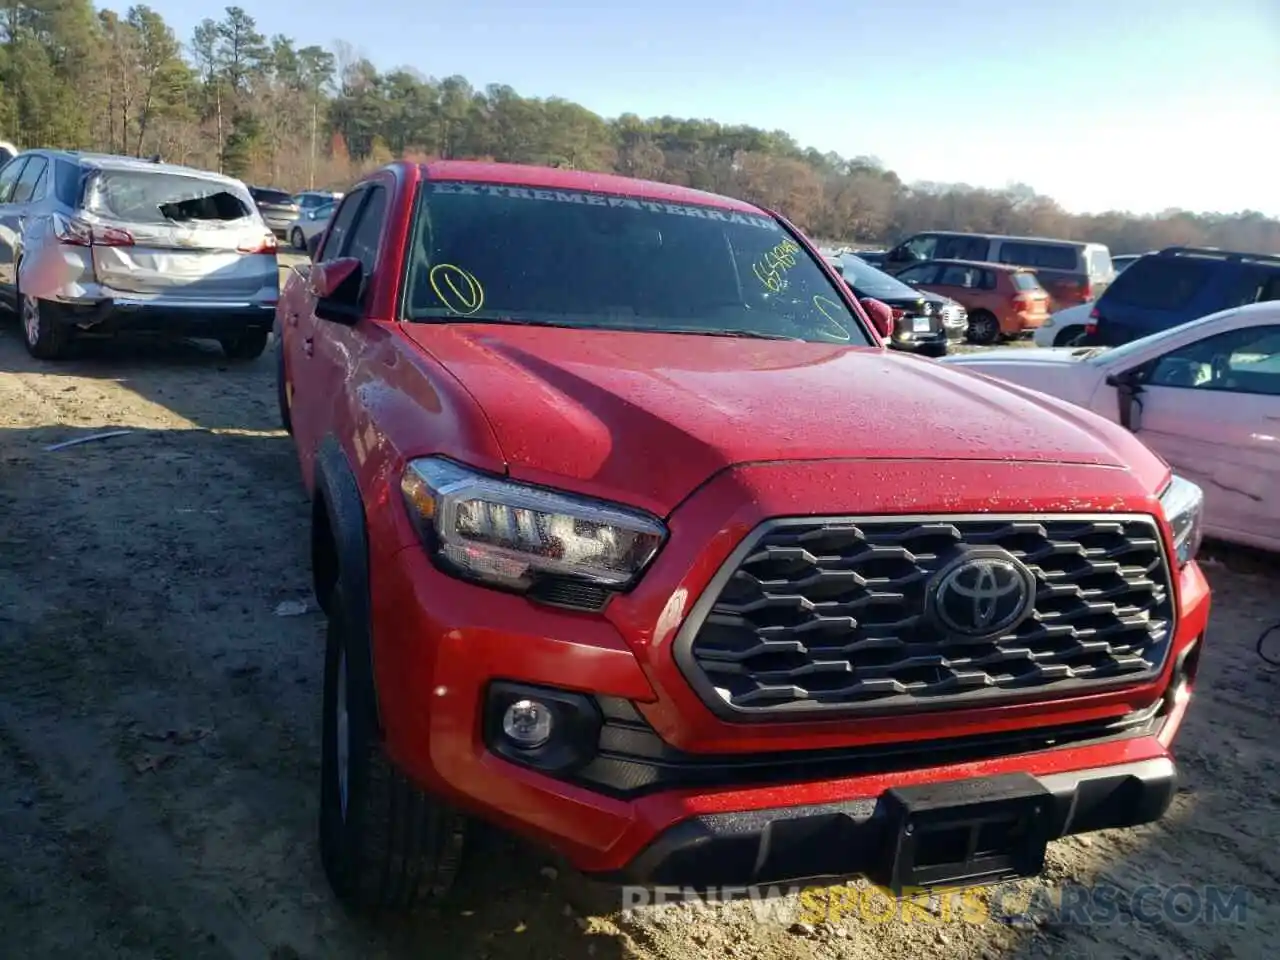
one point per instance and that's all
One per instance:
(1138, 105)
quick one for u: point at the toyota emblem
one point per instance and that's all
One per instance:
(984, 595)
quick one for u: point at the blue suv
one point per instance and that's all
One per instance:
(1176, 285)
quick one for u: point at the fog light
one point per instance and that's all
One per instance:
(528, 724)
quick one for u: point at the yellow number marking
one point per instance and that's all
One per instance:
(457, 289)
(770, 268)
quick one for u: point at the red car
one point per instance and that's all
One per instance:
(635, 540)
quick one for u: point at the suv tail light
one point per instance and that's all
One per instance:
(75, 232)
(897, 313)
(1086, 290)
(267, 243)
(1091, 328)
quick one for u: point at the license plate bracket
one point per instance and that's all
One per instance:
(966, 832)
(920, 325)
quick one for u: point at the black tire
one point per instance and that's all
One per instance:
(391, 847)
(297, 239)
(934, 351)
(248, 346)
(282, 389)
(984, 328)
(43, 338)
(1069, 336)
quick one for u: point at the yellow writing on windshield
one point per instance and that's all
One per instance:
(770, 268)
(826, 306)
(458, 289)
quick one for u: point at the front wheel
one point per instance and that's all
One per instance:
(248, 346)
(984, 328)
(385, 844)
(44, 338)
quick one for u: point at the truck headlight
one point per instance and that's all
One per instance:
(507, 534)
(1183, 504)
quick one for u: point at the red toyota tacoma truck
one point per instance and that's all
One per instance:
(634, 539)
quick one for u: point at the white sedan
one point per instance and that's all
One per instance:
(1063, 328)
(1204, 395)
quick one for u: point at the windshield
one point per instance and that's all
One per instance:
(506, 254)
(1026, 282)
(1118, 354)
(154, 198)
(870, 282)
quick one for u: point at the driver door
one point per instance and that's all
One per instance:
(1211, 408)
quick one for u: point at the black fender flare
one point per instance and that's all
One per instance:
(338, 492)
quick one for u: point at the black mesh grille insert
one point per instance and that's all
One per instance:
(833, 614)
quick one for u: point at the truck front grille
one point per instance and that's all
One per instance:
(842, 614)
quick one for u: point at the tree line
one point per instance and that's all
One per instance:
(274, 113)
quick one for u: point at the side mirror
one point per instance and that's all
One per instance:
(881, 315)
(336, 286)
(1130, 406)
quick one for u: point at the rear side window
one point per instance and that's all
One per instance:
(1026, 282)
(1050, 256)
(1158, 283)
(262, 195)
(66, 185)
(962, 248)
(139, 196)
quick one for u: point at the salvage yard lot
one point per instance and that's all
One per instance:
(159, 722)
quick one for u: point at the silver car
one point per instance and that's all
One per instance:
(310, 225)
(94, 244)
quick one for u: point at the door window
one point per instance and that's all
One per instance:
(924, 273)
(336, 238)
(25, 188)
(962, 248)
(1238, 361)
(921, 247)
(1158, 283)
(9, 177)
(366, 235)
(955, 275)
(1050, 256)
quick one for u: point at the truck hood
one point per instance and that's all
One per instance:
(646, 418)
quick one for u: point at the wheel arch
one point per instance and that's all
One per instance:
(340, 549)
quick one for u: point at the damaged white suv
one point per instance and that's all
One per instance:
(99, 245)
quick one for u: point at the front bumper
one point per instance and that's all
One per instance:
(189, 318)
(859, 837)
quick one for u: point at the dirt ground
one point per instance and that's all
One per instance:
(159, 724)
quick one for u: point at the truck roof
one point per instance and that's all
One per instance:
(553, 178)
